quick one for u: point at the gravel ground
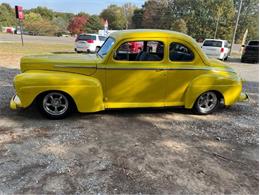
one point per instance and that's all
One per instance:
(131, 151)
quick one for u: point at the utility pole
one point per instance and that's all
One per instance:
(216, 30)
(235, 30)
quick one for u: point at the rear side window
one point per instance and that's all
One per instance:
(102, 38)
(226, 44)
(256, 43)
(211, 43)
(87, 37)
(180, 53)
(140, 51)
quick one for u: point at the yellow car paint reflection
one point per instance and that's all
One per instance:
(96, 82)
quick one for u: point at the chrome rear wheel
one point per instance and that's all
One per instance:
(206, 103)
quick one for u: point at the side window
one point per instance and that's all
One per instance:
(180, 53)
(101, 38)
(226, 44)
(140, 51)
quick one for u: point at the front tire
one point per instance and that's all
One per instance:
(206, 103)
(55, 105)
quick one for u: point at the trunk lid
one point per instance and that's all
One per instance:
(219, 65)
(83, 64)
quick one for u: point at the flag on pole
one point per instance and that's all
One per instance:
(106, 28)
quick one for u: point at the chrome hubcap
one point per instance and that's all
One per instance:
(55, 103)
(207, 101)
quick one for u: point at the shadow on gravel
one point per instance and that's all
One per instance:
(238, 60)
(7, 75)
(167, 150)
(234, 59)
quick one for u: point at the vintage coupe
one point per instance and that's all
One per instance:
(167, 69)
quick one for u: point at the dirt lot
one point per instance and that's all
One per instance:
(131, 151)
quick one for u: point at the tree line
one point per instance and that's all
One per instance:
(197, 18)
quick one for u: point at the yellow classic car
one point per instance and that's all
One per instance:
(133, 69)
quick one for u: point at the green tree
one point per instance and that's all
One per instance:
(248, 20)
(115, 16)
(93, 24)
(128, 11)
(37, 25)
(7, 15)
(152, 11)
(45, 13)
(61, 24)
(180, 26)
(137, 18)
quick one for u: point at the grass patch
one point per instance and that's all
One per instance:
(11, 53)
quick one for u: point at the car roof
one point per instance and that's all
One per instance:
(149, 33)
(89, 34)
(214, 40)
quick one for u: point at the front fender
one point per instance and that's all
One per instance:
(86, 91)
(229, 85)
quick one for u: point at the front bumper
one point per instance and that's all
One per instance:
(15, 102)
(243, 97)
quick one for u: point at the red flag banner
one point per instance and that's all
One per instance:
(19, 12)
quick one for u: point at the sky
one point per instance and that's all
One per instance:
(73, 6)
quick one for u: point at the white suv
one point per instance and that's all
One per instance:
(89, 42)
(216, 48)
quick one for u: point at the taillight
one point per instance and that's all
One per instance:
(90, 41)
(222, 50)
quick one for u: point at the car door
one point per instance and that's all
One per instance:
(184, 65)
(134, 77)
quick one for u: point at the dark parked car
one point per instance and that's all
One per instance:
(251, 52)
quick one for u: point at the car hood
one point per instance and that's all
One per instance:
(219, 65)
(84, 64)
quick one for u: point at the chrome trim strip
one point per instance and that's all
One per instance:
(73, 66)
(161, 69)
(134, 68)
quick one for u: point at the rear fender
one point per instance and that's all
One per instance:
(86, 91)
(229, 86)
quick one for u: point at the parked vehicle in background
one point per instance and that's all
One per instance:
(89, 43)
(216, 48)
(250, 52)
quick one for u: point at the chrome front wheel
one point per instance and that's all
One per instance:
(55, 105)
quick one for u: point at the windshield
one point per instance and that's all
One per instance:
(86, 37)
(106, 47)
(253, 43)
(211, 43)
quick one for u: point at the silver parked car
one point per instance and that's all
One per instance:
(89, 43)
(216, 48)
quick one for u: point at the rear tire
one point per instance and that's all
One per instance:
(55, 105)
(206, 103)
